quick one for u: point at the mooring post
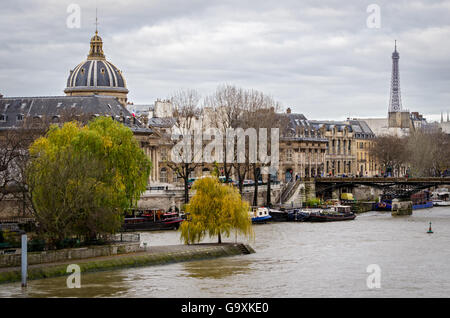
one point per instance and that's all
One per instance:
(24, 260)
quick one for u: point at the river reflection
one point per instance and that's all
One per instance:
(291, 260)
(216, 269)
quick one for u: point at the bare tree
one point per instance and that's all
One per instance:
(428, 152)
(14, 156)
(260, 112)
(390, 152)
(187, 115)
(226, 108)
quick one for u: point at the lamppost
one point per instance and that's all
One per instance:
(188, 219)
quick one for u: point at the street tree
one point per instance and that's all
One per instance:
(226, 106)
(260, 111)
(391, 153)
(187, 113)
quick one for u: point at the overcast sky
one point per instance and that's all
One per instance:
(318, 57)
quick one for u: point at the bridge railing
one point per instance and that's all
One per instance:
(439, 180)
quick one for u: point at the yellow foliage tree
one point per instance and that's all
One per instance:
(215, 209)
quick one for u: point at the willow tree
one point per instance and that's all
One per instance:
(216, 209)
(82, 178)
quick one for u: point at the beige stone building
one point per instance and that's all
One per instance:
(366, 163)
(340, 156)
(302, 149)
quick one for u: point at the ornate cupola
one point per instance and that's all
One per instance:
(96, 48)
(97, 76)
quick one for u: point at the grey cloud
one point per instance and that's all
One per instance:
(318, 58)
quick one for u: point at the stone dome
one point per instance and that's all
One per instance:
(96, 75)
(93, 74)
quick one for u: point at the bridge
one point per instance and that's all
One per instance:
(398, 187)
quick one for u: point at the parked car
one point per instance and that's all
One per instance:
(248, 182)
(223, 178)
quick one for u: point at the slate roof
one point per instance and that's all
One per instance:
(14, 109)
(361, 129)
(296, 121)
(330, 125)
(166, 122)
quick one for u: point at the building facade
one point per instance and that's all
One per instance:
(340, 156)
(302, 149)
(366, 163)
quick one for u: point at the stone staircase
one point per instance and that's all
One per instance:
(245, 249)
(292, 194)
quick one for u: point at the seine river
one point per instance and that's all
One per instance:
(291, 260)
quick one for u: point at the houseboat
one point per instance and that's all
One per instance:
(420, 200)
(260, 215)
(298, 215)
(279, 216)
(151, 220)
(336, 213)
(441, 197)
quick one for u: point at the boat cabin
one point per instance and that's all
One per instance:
(342, 209)
(257, 212)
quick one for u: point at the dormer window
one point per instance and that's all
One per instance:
(102, 70)
(19, 117)
(2, 117)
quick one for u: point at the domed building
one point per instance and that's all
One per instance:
(97, 76)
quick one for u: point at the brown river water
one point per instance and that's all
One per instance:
(291, 260)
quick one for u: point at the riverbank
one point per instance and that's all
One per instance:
(152, 255)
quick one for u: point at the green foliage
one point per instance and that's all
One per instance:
(36, 245)
(216, 209)
(82, 178)
(11, 238)
(313, 202)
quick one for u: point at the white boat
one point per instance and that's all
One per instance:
(260, 215)
(441, 203)
(441, 197)
(341, 208)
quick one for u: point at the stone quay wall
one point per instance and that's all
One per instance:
(11, 260)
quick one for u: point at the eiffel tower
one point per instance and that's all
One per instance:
(395, 102)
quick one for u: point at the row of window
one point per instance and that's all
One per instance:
(164, 176)
(55, 119)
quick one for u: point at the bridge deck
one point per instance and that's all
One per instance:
(382, 180)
